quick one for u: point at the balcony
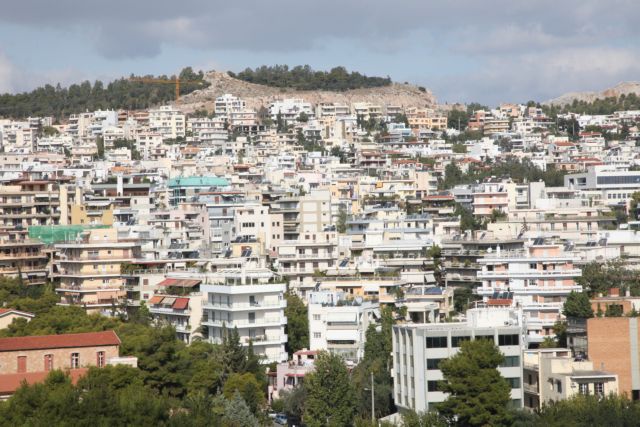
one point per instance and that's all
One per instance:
(244, 306)
(169, 310)
(529, 290)
(246, 323)
(572, 272)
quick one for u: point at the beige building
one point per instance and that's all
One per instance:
(8, 315)
(89, 270)
(553, 374)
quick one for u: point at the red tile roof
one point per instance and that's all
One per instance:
(9, 383)
(89, 339)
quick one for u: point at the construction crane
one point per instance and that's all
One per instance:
(175, 81)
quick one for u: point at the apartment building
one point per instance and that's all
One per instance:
(614, 184)
(419, 348)
(89, 270)
(338, 323)
(227, 104)
(289, 109)
(187, 188)
(249, 299)
(554, 374)
(168, 122)
(23, 257)
(612, 345)
(490, 196)
(24, 203)
(178, 302)
(537, 279)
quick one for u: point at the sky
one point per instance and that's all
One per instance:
(488, 51)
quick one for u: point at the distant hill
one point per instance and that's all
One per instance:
(624, 88)
(257, 95)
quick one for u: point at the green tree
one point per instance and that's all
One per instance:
(100, 145)
(478, 394)
(577, 305)
(249, 388)
(330, 399)
(303, 117)
(341, 225)
(237, 413)
(234, 355)
(459, 148)
(613, 310)
(297, 323)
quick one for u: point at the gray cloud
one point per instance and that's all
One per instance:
(517, 47)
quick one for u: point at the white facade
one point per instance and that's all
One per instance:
(418, 348)
(247, 301)
(168, 122)
(339, 325)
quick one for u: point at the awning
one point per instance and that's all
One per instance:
(168, 301)
(349, 317)
(156, 300)
(181, 303)
(182, 283)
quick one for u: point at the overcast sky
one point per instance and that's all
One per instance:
(489, 51)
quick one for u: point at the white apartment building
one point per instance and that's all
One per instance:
(250, 300)
(228, 103)
(419, 348)
(538, 279)
(339, 324)
(168, 122)
(616, 185)
(290, 109)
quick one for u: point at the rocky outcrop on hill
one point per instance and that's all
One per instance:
(255, 95)
(623, 88)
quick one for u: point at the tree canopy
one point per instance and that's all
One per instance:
(577, 305)
(60, 102)
(331, 399)
(297, 323)
(478, 394)
(305, 78)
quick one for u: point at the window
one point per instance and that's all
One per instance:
(485, 337)
(432, 385)
(583, 388)
(48, 362)
(511, 361)
(100, 359)
(436, 342)
(508, 340)
(433, 363)
(317, 335)
(513, 382)
(457, 341)
(316, 317)
(75, 360)
(598, 389)
(558, 386)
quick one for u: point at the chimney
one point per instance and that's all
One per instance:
(614, 292)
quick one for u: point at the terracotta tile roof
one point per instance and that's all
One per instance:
(89, 339)
(9, 383)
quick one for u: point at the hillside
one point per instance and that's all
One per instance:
(624, 88)
(259, 95)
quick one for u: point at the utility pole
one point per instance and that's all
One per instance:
(373, 402)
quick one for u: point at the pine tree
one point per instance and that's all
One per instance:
(578, 305)
(478, 394)
(331, 399)
(234, 354)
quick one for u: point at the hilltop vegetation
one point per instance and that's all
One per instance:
(60, 102)
(305, 78)
(607, 105)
